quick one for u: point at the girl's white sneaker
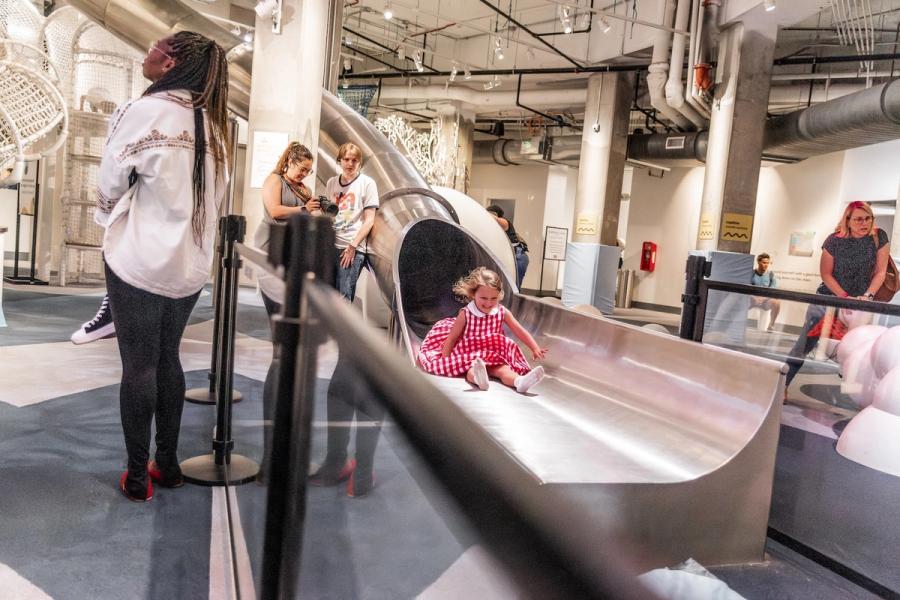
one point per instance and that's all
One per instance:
(479, 374)
(529, 380)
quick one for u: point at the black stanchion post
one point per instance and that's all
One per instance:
(222, 467)
(207, 395)
(694, 272)
(306, 250)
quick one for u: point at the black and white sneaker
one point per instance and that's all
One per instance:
(99, 327)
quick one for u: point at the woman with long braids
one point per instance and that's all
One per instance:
(162, 178)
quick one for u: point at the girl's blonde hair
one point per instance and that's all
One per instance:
(349, 148)
(294, 153)
(843, 226)
(465, 288)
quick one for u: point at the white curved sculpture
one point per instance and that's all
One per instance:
(859, 376)
(872, 438)
(886, 352)
(866, 334)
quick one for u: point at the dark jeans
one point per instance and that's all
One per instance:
(149, 329)
(345, 279)
(521, 264)
(804, 343)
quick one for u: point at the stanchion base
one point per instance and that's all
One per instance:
(203, 470)
(204, 396)
(25, 280)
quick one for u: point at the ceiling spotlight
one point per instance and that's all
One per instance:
(348, 41)
(417, 60)
(387, 12)
(567, 26)
(604, 25)
(498, 49)
(248, 37)
(345, 84)
(266, 8)
(453, 73)
(467, 75)
(347, 65)
(236, 31)
(769, 5)
(489, 85)
(401, 53)
(584, 21)
(565, 17)
(497, 81)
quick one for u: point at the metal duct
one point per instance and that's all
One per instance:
(503, 152)
(860, 119)
(656, 146)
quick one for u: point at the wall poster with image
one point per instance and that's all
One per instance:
(801, 243)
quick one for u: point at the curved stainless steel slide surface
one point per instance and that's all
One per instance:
(670, 443)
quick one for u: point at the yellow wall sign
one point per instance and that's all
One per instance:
(737, 227)
(707, 226)
(586, 224)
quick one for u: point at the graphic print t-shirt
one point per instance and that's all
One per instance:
(351, 199)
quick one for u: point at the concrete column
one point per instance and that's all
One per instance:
(735, 139)
(285, 95)
(603, 146)
(592, 256)
(456, 137)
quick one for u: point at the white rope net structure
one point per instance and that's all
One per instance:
(427, 150)
(102, 73)
(33, 115)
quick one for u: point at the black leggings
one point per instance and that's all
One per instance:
(149, 329)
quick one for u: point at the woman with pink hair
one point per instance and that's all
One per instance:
(853, 265)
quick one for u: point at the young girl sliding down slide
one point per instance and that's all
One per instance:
(473, 342)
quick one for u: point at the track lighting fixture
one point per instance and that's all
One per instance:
(248, 37)
(453, 73)
(347, 65)
(565, 17)
(498, 49)
(348, 41)
(584, 21)
(388, 12)
(604, 25)
(401, 53)
(417, 60)
(769, 5)
(345, 84)
(467, 75)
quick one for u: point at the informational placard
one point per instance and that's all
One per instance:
(586, 224)
(555, 242)
(737, 227)
(267, 148)
(28, 189)
(707, 226)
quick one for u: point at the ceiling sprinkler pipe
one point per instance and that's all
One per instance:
(689, 91)
(674, 86)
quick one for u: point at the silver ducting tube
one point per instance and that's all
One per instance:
(865, 117)
(142, 22)
(503, 152)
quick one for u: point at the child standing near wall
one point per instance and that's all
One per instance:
(473, 342)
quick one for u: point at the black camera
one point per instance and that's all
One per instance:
(328, 207)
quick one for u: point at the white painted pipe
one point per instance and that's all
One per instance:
(659, 66)
(675, 86)
(494, 100)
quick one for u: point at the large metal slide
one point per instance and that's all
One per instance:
(669, 443)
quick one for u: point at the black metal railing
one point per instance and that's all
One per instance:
(697, 288)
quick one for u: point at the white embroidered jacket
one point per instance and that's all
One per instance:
(149, 241)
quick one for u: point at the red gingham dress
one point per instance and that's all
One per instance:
(483, 337)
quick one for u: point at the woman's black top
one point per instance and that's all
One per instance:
(854, 262)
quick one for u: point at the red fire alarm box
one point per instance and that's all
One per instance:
(648, 256)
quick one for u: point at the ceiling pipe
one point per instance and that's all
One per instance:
(488, 100)
(675, 84)
(696, 32)
(531, 33)
(658, 71)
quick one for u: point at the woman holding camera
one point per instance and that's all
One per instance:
(356, 197)
(283, 194)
